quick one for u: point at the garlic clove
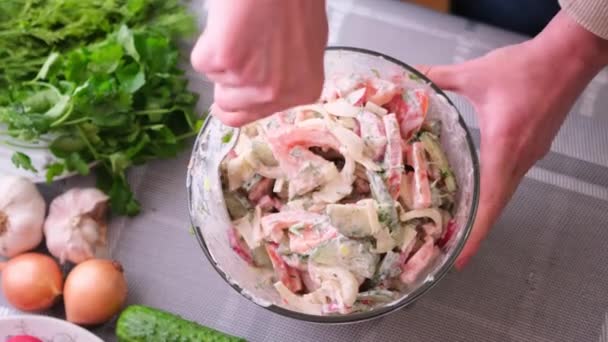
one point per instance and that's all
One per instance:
(22, 210)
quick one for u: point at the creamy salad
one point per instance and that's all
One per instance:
(349, 200)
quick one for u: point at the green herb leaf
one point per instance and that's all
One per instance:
(297, 228)
(74, 162)
(198, 125)
(54, 170)
(105, 58)
(414, 77)
(42, 74)
(106, 83)
(66, 144)
(227, 137)
(21, 160)
(125, 38)
(122, 199)
(120, 162)
(131, 78)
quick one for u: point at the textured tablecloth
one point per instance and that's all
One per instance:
(542, 275)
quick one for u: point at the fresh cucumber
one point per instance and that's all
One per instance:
(433, 148)
(139, 323)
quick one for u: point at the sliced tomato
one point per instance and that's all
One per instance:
(397, 106)
(269, 203)
(418, 263)
(289, 276)
(381, 91)
(309, 137)
(239, 246)
(310, 237)
(449, 232)
(418, 106)
(274, 224)
(260, 189)
(304, 169)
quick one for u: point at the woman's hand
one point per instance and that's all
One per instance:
(264, 56)
(522, 95)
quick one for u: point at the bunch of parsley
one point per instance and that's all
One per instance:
(31, 29)
(114, 99)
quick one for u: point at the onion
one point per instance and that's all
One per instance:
(31, 281)
(95, 290)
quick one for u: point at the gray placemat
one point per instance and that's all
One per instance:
(542, 275)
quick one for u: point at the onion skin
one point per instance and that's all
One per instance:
(31, 281)
(95, 291)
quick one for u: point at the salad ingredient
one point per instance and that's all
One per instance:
(411, 109)
(374, 108)
(75, 226)
(438, 157)
(433, 213)
(95, 291)
(420, 262)
(337, 284)
(355, 256)
(394, 155)
(448, 233)
(342, 108)
(103, 93)
(359, 203)
(355, 220)
(387, 211)
(422, 188)
(139, 323)
(287, 274)
(308, 303)
(381, 92)
(31, 281)
(23, 338)
(373, 298)
(373, 134)
(405, 238)
(237, 243)
(249, 228)
(390, 267)
(336, 293)
(22, 211)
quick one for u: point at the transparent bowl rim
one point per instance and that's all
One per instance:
(412, 296)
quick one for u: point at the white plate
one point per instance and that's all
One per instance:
(41, 157)
(45, 328)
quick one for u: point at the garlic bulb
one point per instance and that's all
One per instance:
(22, 211)
(75, 227)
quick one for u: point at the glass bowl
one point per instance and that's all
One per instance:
(211, 221)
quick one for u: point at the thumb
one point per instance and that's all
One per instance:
(446, 77)
(499, 180)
